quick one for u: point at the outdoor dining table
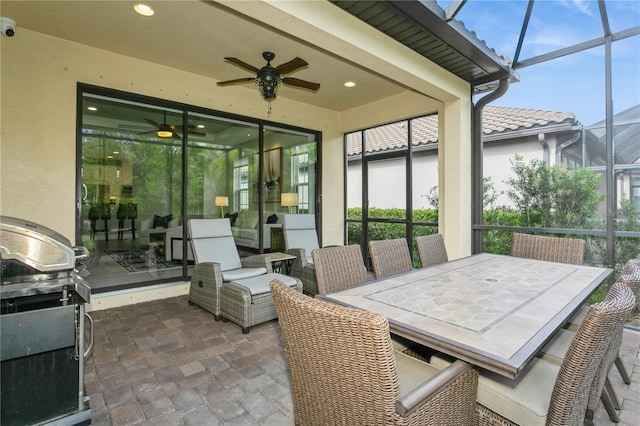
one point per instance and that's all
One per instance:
(493, 311)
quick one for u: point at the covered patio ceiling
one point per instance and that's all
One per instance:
(196, 36)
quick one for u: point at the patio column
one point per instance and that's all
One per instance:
(454, 176)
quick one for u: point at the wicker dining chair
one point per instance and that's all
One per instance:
(431, 249)
(553, 249)
(343, 370)
(339, 267)
(555, 351)
(390, 257)
(300, 239)
(630, 276)
(551, 394)
(342, 267)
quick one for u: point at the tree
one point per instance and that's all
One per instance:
(553, 197)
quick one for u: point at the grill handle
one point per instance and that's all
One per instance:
(82, 253)
(90, 347)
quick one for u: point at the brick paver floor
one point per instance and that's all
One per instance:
(165, 362)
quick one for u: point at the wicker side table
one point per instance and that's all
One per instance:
(248, 302)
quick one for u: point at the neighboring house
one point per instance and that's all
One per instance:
(626, 142)
(554, 137)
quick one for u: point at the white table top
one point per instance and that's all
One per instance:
(493, 311)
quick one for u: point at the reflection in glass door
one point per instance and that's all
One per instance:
(131, 186)
(147, 166)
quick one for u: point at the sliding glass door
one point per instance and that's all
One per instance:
(147, 166)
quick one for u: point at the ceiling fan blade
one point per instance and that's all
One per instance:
(132, 127)
(300, 83)
(291, 66)
(237, 80)
(153, 123)
(243, 64)
(191, 130)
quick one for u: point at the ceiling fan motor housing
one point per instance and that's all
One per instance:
(268, 81)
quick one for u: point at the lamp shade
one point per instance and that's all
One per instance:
(221, 201)
(289, 199)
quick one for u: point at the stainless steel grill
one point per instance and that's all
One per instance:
(42, 326)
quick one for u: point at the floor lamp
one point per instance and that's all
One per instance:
(289, 199)
(221, 202)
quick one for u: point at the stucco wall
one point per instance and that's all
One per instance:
(38, 112)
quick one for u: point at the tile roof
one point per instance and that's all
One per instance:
(504, 119)
(496, 120)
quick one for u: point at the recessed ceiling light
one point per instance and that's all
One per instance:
(200, 126)
(92, 108)
(143, 9)
(349, 84)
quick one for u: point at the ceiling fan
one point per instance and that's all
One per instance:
(268, 78)
(165, 130)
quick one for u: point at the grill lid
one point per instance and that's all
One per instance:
(35, 245)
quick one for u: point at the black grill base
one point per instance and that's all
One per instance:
(38, 387)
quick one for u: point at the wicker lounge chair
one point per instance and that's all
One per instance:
(390, 257)
(547, 393)
(553, 249)
(431, 249)
(223, 284)
(344, 371)
(300, 238)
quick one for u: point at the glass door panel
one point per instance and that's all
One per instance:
(131, 180)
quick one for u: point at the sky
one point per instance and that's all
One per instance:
(574, 83)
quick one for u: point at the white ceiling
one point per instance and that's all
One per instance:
(195, 36)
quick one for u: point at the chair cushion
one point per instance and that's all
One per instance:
(241, 273)
(556, 348)
(576, 319)
(161, 221)
(247, 219)
(412, 372)
(212, 241)
(249, 234)
(221, 250)
(299, 221)
(209, 228)
(524, 400)
(299, 231)
(260, 285)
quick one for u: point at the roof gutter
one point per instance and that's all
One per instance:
(576, 137)
(477, 173)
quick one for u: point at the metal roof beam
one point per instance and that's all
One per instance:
(604, 18)
(575, 48)
(453, 9)
(523, 31)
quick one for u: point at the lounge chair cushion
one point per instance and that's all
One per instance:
(300, 232)
(212, 241)
(242, 273)
(260, 285)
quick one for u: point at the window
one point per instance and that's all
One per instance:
(241, 187)
(392, 181)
